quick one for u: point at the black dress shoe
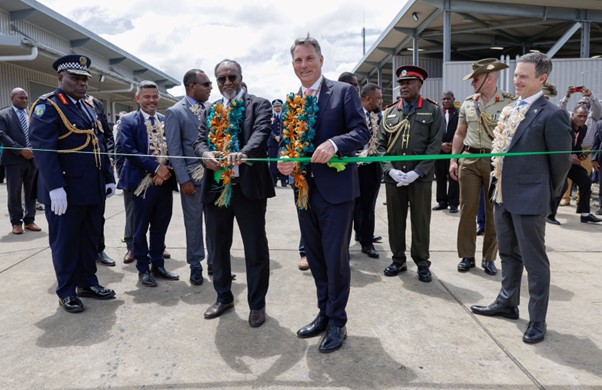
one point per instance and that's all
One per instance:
(257, 317)
(217, 309)
(314, 328)
(590, 218)
(552, 220)
(453, 209)
(96, 292)
(395, 268)
(166, 255)
(196, 276)
(466, 264)
(536, 332)
(146, 278)
(333, 339)
(424, 274)
(104, 259)
(71, 304)
(375, 239)
(210, 269)
(480, 231)
(489, 267)
(440, 206)
(496, 309)
(161, 272)
(370, 251)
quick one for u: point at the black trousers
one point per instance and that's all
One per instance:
(448, 190)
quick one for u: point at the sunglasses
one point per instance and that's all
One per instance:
(222, 79)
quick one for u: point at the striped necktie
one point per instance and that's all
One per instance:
(24, 126)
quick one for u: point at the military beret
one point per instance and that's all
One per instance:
(411, 72)
(276, 103)
(486, 65)
(74, 64)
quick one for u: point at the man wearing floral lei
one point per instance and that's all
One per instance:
(478, 116)
(539, 133)
(235, 128)
(414, 126)
(323, 119)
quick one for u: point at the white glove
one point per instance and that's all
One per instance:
(397, 175)
(58, 201)
(408, 179)
(110, 189)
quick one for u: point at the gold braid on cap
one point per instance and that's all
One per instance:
(72, 129)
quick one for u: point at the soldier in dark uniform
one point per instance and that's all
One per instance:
(274, 142)
(414, 126)
(75, 177)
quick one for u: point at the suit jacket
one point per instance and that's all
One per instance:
(133, 139)
(11, 136)
(77, 173)
(452, 125)
(181, 130)
(597, 156)
(255, 179)
(340, 119)
(530, 182)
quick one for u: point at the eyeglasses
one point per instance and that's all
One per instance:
(222, 79)
(205, 84)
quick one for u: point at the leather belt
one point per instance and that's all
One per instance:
(470, 149)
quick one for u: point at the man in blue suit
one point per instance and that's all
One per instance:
(326, 223)
(146, 173)
(73, 186)
(523, 190)
(182, 122)
(274, 142)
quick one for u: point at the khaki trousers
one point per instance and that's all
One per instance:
(473, 176)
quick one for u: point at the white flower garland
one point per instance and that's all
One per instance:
(503, 133)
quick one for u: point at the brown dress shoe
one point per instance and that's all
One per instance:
(257, 317)
(218, 309)
(33, 227)
(303, 263)
(129, 257)
(17, 229)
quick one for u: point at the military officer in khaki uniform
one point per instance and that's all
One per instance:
(413, 126)
(478, 117)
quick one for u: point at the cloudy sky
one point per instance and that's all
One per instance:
(174, 36)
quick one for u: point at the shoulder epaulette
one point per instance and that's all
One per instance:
(432, 101)
(390, 105)
(46, 96)
(471, 97)
(509, 96)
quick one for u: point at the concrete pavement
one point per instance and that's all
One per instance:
(402, 333)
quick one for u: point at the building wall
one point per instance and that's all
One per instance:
(12, 76)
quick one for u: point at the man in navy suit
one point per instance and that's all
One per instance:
(73, 186)
(326, 223)
(146, 173)
(523, 192)
(251, 186)
(182, 122)
(21, 169)
(448, 190)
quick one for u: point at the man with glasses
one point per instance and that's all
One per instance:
(241, 190)
(182, 121)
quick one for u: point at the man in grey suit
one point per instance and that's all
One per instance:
(21, 170)
(523, 189)
(182, 122)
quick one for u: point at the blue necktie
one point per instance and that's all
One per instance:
(152, 121)
(24, 126)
